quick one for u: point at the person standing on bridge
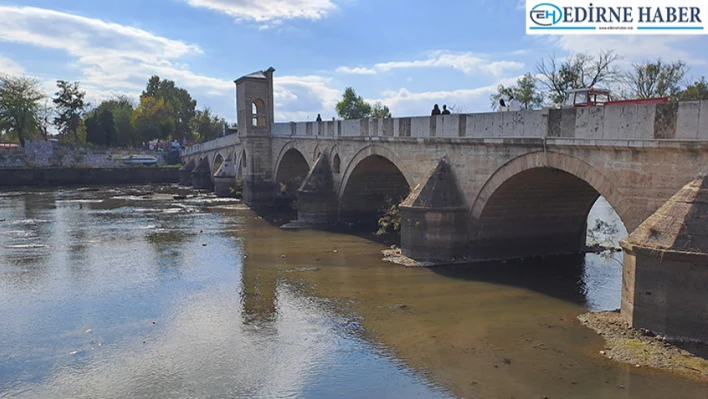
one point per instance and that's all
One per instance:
(502, 105)
(319, 118)
(514, 104)
(445, 111)
(436, 110)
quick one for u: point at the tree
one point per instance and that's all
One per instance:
(649, 79)
(206, 125)
(108, 127)
(181, 102)
(153, 119)
(696, 91)
(94, 132)
(578, 71)
(70, 105)
(19, 106)
(121, 109)
(525, 91)
(380, 111)
(352, 106)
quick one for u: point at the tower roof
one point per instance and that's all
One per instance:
(680, 225)
(256, 75)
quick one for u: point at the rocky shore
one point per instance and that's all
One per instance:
(644, 348)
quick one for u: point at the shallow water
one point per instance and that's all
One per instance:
(150, 297)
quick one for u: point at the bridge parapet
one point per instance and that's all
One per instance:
(218, 143)
(673, 121)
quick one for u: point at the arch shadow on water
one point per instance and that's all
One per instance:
(560, 277)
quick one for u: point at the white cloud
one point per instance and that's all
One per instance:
(356, 71)
(635, 47)
(404, 102)
(466, 62)
(298, 97)
(268, 11)
(9, 66)
(111, 58)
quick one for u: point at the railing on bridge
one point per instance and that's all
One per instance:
(682, 121)
(673, 121)
(221, 142)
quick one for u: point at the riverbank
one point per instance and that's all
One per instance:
(68, 176)
(643, 348)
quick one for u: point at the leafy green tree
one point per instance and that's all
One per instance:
(121, 109)
(578, 71)
(380, 111)
(206, 125)
(108, 127)
(179, 99)
(649, 79)
(352, 106)
(69, 101)
(696, 91)
(525, 91)
(153, 119)
(94, 132)
(20, 106)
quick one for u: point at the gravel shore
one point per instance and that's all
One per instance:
(643, 348)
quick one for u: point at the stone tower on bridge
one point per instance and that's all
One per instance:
(254, 103)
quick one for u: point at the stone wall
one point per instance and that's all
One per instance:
(41, 154)
(87, 176)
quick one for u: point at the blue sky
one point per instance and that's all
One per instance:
(407, 53)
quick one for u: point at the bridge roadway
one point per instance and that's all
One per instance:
(474, 186)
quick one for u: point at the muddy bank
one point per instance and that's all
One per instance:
(643, 348)
(53, 177)
(395, 256)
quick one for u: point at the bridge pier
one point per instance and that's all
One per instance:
(434, 218)
(185, 173)
(225, 179)
(316, 199)
(665, 270)
(201, 176)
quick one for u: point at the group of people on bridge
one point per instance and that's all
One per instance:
(436, 110)
(514, 105)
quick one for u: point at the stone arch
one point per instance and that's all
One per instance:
(319, 149)
(241, 163)
(290, 169)
(539, 203)
(216, 162)
(371, 183)
(336, 164)
(372, 149)
(258, 113)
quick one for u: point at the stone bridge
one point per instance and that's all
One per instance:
(474, 186)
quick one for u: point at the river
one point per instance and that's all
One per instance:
(113, 294)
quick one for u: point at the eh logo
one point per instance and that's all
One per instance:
(546, 14)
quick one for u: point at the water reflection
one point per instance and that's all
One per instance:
(156, 299)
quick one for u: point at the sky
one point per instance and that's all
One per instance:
(409, 54)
